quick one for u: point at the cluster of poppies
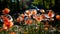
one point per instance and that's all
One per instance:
(30, 17)
(5, 20)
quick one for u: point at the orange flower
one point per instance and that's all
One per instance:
(28, 21)
(38, 18)
(28, 13)
(50, 14)
(6, 21)
(8, 24)
(42, 16)
(58, 17)
(34, 12)
(6, 11)
(19, 19)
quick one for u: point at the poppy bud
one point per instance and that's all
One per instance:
(58, 17)
(6, 11)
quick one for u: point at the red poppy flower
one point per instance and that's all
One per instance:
(5, 19)
(6, 11)
(19, 19)
(42, 16)
(38, 18)
(51, 13)
(7, 23)
(34, 12)
(28, 21)
(28, 13)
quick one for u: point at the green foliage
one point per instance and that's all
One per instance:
(46, 3)
(36, 2)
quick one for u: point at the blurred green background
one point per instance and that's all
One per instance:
(22, 5)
